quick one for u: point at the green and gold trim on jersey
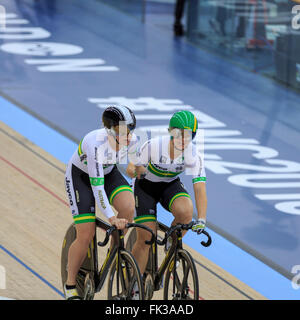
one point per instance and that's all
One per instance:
(80, 152)
(118, 190)
(199, 179)
(161, 173)
(180, 194)
(84, 218)
(96, 181)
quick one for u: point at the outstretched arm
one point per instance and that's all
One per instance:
(200, 199)
(201, 204)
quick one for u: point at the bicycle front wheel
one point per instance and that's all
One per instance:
(125, 281)
(85, 278)
(181, 279)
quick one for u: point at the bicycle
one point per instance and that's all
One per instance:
(124, 274)
(177, 263)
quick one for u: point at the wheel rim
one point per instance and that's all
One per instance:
(122, 282)
(181, 282)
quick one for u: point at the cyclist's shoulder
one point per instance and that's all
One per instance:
(95, 136)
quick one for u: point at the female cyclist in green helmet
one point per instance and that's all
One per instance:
(161, 161)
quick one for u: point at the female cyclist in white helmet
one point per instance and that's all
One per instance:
(93, 177)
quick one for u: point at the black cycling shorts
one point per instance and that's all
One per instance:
(147, 194)
(80, 193)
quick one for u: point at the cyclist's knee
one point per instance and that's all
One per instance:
(182, 207)
(124, 204)
(128, 212)
(183, 215)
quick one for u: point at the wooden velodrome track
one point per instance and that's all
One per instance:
(35, 216)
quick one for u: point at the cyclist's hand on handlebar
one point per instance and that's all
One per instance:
(118, 223)
(199, 226)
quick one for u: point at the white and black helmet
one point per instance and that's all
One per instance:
(113, 115)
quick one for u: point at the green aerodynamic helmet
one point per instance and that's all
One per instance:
(184, 120)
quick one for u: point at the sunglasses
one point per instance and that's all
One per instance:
(122, 132)
(182, 134)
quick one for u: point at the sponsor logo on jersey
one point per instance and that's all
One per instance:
(77, 196)
(69, 191)
(97, 169)
(83, 157)
(101, 199)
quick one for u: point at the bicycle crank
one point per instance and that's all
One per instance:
(89, 288)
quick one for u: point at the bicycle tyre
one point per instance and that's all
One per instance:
(185, 291)
(87, 269)
(128, 263)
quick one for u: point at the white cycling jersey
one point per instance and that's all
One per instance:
(154, 155)
(96, 157)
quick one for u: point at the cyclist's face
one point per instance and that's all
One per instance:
(123, 134)
(181, 138)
